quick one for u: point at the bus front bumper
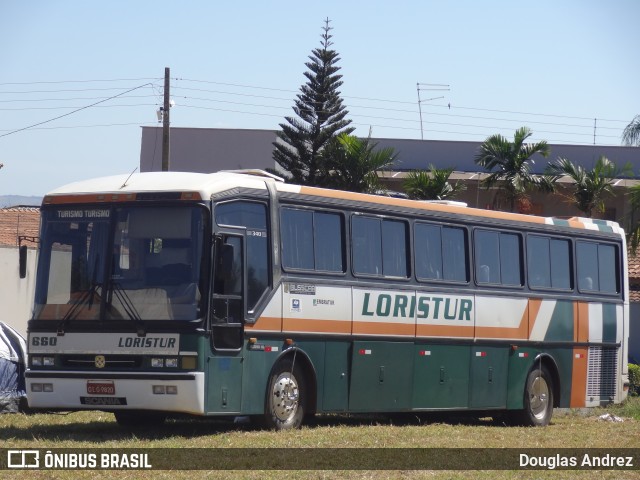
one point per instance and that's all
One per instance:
(168, 392)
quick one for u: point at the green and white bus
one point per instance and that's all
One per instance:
(235, 294)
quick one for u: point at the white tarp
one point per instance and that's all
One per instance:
(13, 355)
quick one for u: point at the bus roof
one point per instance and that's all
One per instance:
(201, 186)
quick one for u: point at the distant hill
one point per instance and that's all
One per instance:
(12, 200)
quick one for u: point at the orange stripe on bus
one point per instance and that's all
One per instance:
(265, 323)
(579, 377)
(582, 309)
(359, 197)
(377, 328)
(534, 309)
(521, 332)
(315, 325)
(84, 198)
(445, 331)
(576, 224)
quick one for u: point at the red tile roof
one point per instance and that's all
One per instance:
(16, 222)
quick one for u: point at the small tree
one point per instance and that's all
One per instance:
(590, 187)
(633, 221)
(353, 163)
(631, 134)
(320, 116)
(432, 184)
(510, 163)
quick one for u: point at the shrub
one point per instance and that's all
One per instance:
(634, 379)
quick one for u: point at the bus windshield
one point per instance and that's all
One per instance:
(123, 263)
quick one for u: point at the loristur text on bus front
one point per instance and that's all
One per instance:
(430, 307)
(146, 342)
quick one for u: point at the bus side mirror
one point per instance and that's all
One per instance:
(22, 252)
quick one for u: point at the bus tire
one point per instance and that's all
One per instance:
(538, 398)
(286, 396)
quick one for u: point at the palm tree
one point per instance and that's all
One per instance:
(590, 186)
(353, 163)
(510, 163)
(432, 184)
(631, 134)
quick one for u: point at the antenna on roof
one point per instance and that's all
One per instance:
(125, 182)
(437, 87)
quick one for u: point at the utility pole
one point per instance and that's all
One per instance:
(165, 122)
(428, 87)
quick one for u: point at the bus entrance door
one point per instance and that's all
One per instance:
(224, 389)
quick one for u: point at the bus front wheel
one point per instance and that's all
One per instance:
(284, 406)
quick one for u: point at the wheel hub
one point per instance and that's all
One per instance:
(285, 397)
(539, 398)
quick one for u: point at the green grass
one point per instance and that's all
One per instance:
(98, 430)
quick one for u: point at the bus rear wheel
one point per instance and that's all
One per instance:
(286, 395)
(538, 398)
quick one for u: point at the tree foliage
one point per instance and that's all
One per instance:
(433, 184)
(319, 116)
(633, 221)
(631, 133)
(590, 187)
(353, 163)
(510, 164)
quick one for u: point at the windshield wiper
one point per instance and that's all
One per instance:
(86, 298)
(128, 307)
(74, 311)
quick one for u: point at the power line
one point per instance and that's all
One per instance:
(352, 106)
(375, 104)
(452, 105)
(91, 126)
(65, 99)
(75, 111)
(23, 109)
(81, 81)
(69, 90)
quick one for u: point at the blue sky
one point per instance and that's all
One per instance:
(553, 66)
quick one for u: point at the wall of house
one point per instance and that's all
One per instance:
(16, 294)
(634, 332)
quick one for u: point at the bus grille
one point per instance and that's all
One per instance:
(111, 362)
(601, 376)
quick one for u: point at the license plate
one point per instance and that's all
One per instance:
(100, 388)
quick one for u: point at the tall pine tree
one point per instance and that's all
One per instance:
(320, 117)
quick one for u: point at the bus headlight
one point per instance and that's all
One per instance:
(48, 361)
(157, 362)
(171, 362)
